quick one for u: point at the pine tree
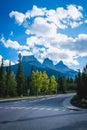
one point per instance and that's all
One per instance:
(81, 81)
(61, 84)
(12, 85)
(20, 78)
(8, 72)
(78, 81)
(2, 80)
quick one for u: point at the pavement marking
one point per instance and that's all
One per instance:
(49, 109)
(12, 107)
(16, 102)
(41, 108)
(19, 108)
(64, 110)
(28, 108)
(56, 109)
(34, 108)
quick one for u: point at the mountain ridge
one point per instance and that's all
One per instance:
(47, 64)
(60, 69)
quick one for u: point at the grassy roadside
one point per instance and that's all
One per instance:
(26, 97)
(31, 97)
(81, 103)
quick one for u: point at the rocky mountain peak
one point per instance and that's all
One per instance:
(29, 58)
(47, 61)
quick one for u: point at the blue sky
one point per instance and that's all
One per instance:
(56, 29)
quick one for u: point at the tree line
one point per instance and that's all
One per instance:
(38, 83)
(18, 84)
(81, 80)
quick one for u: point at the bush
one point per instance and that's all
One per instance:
(83, 101)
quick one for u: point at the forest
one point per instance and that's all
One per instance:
(12, 85)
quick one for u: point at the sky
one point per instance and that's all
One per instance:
(54, 29)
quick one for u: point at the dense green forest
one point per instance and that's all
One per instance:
(38, 83)
(81, 80)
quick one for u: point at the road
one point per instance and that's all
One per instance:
(42, 114)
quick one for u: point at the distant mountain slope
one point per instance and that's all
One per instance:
(31, 60)
(60, 69)
(48, 64)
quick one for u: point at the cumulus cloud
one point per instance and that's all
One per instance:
(6, 62)
(86, 21)
(1, 57)
(74, 12)
(61, 17)
(25, 53)
(19, 17)
(13, 44)
(44, 40)
(58, 48)
(35, 12)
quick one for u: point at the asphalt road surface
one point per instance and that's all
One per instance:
(42, 114)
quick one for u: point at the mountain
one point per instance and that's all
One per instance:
(60, 69)
(31, 60)
(65, 69)
(48, 64)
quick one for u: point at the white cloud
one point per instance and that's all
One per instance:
(1, 57)
(6, 62)
(25, 53)
(19, 17)
(28, 32)
(42, 26)
(11, 33)
(59, 48)
(85, 21)
(37, 41)
(82, 36)
(74, 12)
(60, 17)
(35, 12)
(75, 24)
(13, 44)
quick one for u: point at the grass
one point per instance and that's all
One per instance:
(81, 103)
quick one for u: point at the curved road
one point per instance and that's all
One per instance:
(41, 114)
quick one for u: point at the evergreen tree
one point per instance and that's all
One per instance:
(70, 84)
(61, 84)
(81, 80)
(3, 85)
(7, 77)
(20, 78)
(2, 80)
(9, 69)
(12, 85)
(8, 72)
(1, 69)
(78, 81)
